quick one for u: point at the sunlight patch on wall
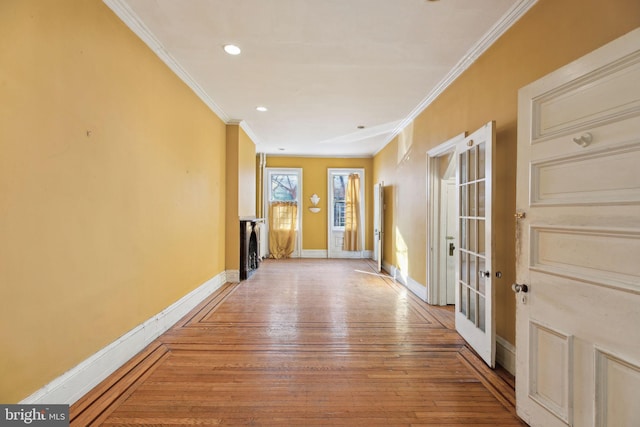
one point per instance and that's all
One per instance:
(402, 255)
(405, 141)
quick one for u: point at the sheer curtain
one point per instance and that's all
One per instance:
(352, 223)
(283, 217)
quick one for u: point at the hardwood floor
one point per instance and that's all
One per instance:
(306, 343)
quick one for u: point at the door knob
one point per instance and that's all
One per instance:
(517, 288)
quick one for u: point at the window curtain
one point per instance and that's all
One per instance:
(283, 218)
(352, 223)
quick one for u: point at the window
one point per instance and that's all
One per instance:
(339, 191)
(284, 187)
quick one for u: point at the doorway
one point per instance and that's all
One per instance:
(340, 207)
(442, 222)
(284, 185)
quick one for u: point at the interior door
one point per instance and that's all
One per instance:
(474, 290)
(578, 269)
(449, 219)
(378, 223)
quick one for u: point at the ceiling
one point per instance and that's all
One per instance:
(322, 68)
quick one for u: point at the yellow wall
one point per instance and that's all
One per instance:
(241, 189)
(550, 35)
(112, 177)
(314, 180)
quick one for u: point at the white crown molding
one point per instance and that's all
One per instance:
(250, 133)
(511, 17)
(131, 19)
(135, 24)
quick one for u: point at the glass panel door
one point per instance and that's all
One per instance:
(285, 185)
(474, 320)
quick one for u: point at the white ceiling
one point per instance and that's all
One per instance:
(323, 67)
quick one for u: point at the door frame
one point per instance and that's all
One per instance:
(360, 171)
(436, 291)
(378, 223)
(297, 253)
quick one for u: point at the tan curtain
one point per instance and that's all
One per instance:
(352, 224)
(283, 218)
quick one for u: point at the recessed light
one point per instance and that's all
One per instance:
(261, 108)
(280, 149)
(232, 49)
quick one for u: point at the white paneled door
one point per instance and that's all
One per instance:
(578, 248)
(474, 290)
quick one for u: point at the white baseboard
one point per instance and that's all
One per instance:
(506, 355)
(233, 276)
(314, 253)
(323, 253)
(79, 380)
(418, 289)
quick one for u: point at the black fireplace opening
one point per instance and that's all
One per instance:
(249, 243)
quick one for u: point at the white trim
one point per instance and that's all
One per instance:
(323, 253)
(511, 17)
(233, 276)
(314, 253)
(79, 380)
(506, 354)
(245, 127)
(415, 287)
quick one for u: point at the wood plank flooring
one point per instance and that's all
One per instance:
(306, 343)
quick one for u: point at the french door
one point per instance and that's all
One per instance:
(474, 290)
(337, 188)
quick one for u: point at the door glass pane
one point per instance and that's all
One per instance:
(472, 163)
(284, 187)
(481, 209)
(481, 160)
(472, 200)
(463, 234)
(464, 201)
(481, 237)
(464, 267)
(339, 190)
(463, 299)
(481, 277)
(481, 313)
(473, 280)
(463, 168)
(472, 307)
(472, 237)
